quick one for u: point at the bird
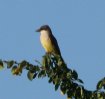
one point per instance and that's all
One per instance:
(48, 40)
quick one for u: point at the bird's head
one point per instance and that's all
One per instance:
(45, 28)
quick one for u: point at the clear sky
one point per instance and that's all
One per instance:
(78, 25)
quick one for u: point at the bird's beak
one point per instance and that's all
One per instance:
(38, 30)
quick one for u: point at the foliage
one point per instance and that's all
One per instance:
(59, 75)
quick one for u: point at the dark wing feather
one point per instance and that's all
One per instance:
(55, 45)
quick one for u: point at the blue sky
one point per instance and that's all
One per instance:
(78, 25)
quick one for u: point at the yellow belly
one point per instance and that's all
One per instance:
(47, 42)
(47, 45)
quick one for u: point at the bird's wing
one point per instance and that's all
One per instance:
(55, 45)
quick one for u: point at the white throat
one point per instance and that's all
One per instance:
(44, 35)
(44, 32)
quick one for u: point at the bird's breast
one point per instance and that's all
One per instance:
(46, 42)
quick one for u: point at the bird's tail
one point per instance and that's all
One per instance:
(60, 60)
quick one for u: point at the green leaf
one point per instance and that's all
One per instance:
(14, 70)
(30, 75)
(99, 96)
(50, 80)
(1, 65)
(69, 94)
(37, 68)
(63, 89)
(74, 75)
(101, 84)
(80, 92)
(79, 80)
(34, 75)
(56, 80)
(32, 69)
(69, 97)
(69, 75)
(56, 87)
(10, 64)
(23, 64)
(42, 74)
(44, 61)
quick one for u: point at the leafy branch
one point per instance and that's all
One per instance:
(59, 75)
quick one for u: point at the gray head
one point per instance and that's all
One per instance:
(44, 27)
